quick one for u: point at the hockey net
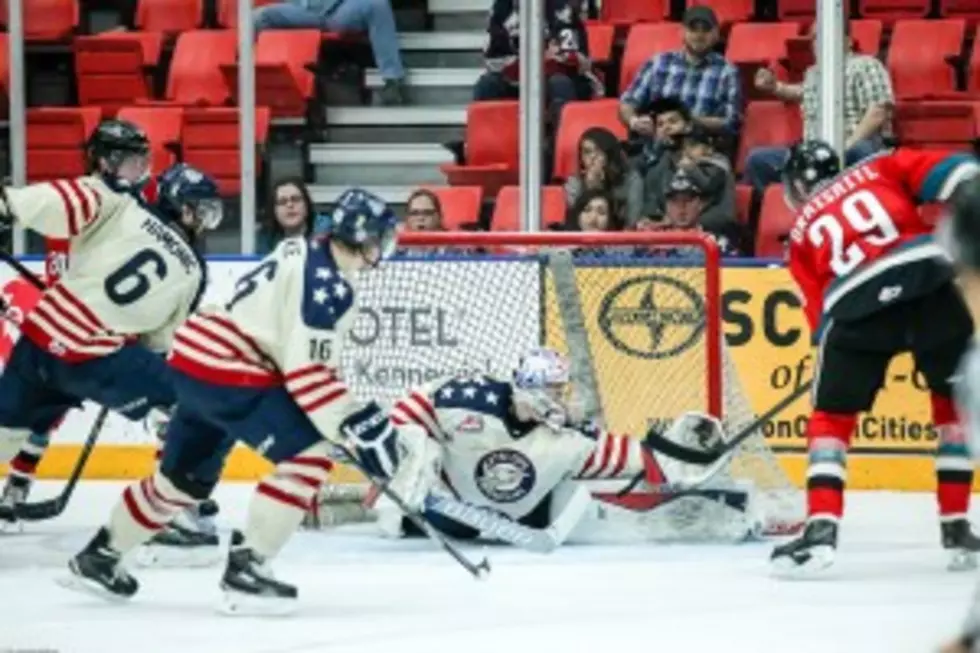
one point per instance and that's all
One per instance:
(638, 313)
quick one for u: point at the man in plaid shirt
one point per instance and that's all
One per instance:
(696, 75)
(868, 103)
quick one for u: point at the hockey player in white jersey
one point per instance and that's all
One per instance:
(261, 370)
(99, 331)
(516, 448)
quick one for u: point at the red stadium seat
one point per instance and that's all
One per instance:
(284, 81)
(56, 139)
(728, 11)
(799, 10)
(919, 54)
(211, 143)
(492, 147)
(4, 73)
(46, 20)
(628, 12)
(775, 223)
(759, 42)
(507, 214)
(195, 71)
(162, 126)
(743, 203)
(600, 38)
(891, 10)
(460, 205)
(968, 9)
(645, 41)
(169, 16)
(228, 11)
(866, 34)
(945, 125)
(973, 75)
(576, 118)
(115, 69)
(768, 123)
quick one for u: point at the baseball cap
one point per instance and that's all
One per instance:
(700, 14)
(682, 182)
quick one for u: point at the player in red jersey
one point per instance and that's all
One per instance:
(874, 284)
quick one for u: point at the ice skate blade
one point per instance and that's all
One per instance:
(821, 557)
(11, 527)
(961, 560)
(165, 557)
(238, 604)
(84, 585)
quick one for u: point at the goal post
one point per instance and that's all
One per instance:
(638, 313)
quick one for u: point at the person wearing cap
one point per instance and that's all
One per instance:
(708, 170)
(698, 76)
(868, 103)
(688, 197)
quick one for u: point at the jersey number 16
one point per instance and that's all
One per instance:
(865, 215)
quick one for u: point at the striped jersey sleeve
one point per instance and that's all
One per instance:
(418, 407)
(612, 456)
(63, 208)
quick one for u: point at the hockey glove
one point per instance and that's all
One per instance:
(373, 440)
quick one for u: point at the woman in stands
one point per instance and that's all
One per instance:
(603, 167)
(290, 212)
(423, 211)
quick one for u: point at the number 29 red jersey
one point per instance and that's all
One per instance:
(860, 243)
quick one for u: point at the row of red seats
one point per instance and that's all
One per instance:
(627, 12)
(204, 137)
(58, 20)
(919, 56)
(116, 69)
(492, 139)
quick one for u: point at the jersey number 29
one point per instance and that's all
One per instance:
(866, 216)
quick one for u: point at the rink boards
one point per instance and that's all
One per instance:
(421, 319)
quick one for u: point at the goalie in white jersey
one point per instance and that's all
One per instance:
(99, 332)
(513, 447)
(262, 370)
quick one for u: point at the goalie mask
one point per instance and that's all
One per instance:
(541, 385)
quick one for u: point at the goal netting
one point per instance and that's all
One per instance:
(639, 314)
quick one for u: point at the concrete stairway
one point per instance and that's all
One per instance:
(393, 150)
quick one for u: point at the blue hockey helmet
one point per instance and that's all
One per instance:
(181, 186)
(362, 221)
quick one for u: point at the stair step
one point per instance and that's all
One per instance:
(431, 77)
(443, 41)
(323, 194)
(379, 154)
(459, 6)
(396, 116)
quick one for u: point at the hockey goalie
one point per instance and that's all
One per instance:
(510, 460)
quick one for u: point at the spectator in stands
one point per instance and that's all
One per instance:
(372, 16)
(603, 167)
(687, 202)
(594, 210)
(707, 84)
(708, 171)
(290, 213)
(567, 64)
(671, 120)
(868, 103)
(423, 211)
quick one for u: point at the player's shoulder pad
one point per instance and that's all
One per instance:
(480, 394)
(327, 295)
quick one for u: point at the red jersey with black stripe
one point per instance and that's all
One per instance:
(132, 277)
(285, 326)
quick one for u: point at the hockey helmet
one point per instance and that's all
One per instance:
(120, 151)
(959, 232)
(181, 186)
(541, 383)
(362, 221)
(809, 164)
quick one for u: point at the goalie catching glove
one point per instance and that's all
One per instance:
(372, 440)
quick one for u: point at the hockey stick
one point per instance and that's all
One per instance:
(53, 507)
(723, 454)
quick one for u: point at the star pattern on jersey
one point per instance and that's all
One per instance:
(480, 395)
(327, 296)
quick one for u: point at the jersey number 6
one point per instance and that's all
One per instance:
(866, 216)
(131, 281)
(249, 281)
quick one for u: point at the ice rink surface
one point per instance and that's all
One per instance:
(889, 592)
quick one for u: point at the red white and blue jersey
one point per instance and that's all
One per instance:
(491, 458)
(860, 243)
(285, 325)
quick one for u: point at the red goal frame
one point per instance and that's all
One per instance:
(537, 240)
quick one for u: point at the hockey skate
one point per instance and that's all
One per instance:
(190, 540)
(98, 570)
(961, 543)
(808, 554)
(14, 494)
(249, 587)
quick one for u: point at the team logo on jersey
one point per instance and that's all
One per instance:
(505, 475)
(471, 424)
(653, 316)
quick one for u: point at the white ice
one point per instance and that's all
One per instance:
(889, 592)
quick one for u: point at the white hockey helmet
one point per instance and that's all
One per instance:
(541, 384)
